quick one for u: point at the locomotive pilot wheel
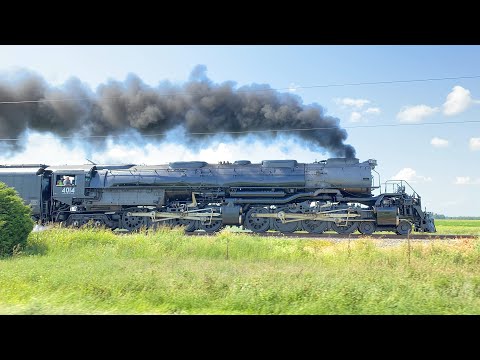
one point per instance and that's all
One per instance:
(404, 228)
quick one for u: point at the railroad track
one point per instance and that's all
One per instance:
(342, 236)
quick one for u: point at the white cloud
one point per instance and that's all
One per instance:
(413, 114)
(438, 142)
(465, 180)
(474, 143)
(355, 116)
(373, 110)
(411, 176)
(356, 106)
(458, 100)
(356, 103)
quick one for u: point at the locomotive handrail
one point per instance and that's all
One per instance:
(379, 181)
(399, 186)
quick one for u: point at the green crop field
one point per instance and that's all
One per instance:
(94, 271)
(463, 227)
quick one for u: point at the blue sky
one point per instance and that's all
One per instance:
(440, 161)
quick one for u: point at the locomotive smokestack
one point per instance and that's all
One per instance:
(199, 106)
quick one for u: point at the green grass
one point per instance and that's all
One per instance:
(92, 271)
(454, 227)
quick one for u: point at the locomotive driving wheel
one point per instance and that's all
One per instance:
(132, 223)
(314, 226)
(190, 225)
(367, 227)
(287, 227)
(257, 224)
(173, 223)
(345, 228)
(211, 226)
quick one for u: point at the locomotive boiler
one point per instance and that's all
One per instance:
(283, 195)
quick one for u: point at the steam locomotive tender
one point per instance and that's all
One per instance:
(283, 195)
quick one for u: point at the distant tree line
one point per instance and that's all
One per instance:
(441, 216)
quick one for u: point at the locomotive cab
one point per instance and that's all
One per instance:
(68, 185)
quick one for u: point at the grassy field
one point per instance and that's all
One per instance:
(95, 271)
(463, 227)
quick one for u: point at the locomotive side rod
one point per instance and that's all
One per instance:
(318, 216)
(203, 215)
(200, 214)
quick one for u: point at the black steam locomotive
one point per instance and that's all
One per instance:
(282, 195)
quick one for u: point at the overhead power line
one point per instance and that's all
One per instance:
(292, 88)
(262, 131)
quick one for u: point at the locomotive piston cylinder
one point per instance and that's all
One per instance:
(231, 215)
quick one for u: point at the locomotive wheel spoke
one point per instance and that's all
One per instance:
(210, 227)
(314, 227)
(257, 224)
(174, 223)
(190, 225)
(367, 227)
(285, 228)
(132, 223)
(345, 229)
(288, 227)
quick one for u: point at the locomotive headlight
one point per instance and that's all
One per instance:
(73, 208)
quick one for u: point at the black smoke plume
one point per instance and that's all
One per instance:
(199, 106)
